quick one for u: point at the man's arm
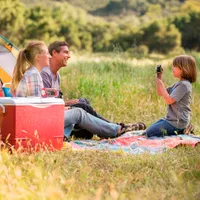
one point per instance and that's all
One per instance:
(71, 102)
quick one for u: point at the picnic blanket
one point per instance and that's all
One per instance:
(135, 143)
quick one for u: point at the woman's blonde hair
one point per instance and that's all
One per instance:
(25, 60)
(188, 66)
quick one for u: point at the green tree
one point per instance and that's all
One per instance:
(72, 23)
(128, 39)
(12, 20)
(40, 24)
(190, 29)
(102, 34)
(188, 25)
(161, 37)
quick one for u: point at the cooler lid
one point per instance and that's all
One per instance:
(29, 100)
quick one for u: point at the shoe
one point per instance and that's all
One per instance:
(189, 130)
(66, 139)
(136, 126)
(82, 133)
(131, 127)
(141, 126)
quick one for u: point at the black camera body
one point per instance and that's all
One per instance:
(159, 69)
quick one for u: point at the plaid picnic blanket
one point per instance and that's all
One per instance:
(135, 143)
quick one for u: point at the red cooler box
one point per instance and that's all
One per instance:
(32, 123)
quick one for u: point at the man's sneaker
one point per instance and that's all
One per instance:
(139, 126)
(66, 139)
(189, 129)
(136, 126)
(131, 127)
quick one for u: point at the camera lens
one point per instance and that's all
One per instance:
(158, 69)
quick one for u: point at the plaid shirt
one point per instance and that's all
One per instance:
(31, 84)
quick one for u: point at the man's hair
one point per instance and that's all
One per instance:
(188, 66)
(56, 46)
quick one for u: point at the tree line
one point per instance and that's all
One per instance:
(158, 30)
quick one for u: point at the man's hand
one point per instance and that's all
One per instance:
(67, 107)
(71, 102)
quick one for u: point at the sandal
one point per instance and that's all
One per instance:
(137, 126)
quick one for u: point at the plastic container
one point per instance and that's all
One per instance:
(1, 89)
(32, 123)
(6, 89)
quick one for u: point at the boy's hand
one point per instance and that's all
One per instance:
(159, 75)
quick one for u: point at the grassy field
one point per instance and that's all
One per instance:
(121, 89)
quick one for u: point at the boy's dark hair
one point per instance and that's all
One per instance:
(188, 66)
(56, 46)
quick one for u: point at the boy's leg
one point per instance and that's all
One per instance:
(161, 128)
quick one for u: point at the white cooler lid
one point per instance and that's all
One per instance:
(29, 100)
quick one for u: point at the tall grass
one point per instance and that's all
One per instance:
(100, 175)
(121, 90)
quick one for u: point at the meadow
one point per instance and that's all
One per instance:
(123, 90)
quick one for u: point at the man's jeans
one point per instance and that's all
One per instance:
(162, 128)
(89, 109)
(86, 121)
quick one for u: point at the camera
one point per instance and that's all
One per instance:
(159, 69)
